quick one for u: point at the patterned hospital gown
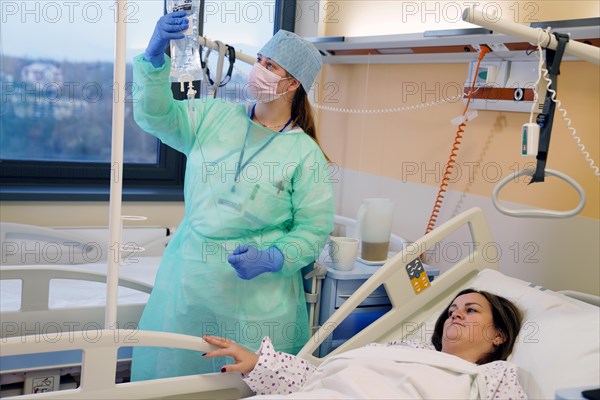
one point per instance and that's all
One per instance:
(282, 373)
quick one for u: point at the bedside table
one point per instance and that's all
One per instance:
(576, 393)
(338, 286)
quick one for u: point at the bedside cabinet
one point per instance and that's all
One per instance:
(337, 287)
(577, 393)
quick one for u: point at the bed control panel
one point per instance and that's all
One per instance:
(418, 277)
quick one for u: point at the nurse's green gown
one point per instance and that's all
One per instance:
(283, 197)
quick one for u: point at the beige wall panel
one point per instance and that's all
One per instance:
(387, 17)
(415, 145)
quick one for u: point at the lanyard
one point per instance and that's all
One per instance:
(241, 165)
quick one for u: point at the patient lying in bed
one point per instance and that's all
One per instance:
(466, 359)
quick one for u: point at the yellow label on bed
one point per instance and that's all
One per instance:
(417, 275)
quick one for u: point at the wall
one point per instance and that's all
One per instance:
(402, 155)
(382, 17)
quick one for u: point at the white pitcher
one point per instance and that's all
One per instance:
(374, 219)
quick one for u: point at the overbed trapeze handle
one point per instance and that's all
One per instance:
(538, 212)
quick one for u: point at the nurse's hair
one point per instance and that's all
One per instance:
(302, 115)
(506, 316)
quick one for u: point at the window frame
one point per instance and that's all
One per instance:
(87, 181)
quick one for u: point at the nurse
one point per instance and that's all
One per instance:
(258, 204)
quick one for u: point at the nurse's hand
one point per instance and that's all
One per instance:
(168, 27)
(245, 360)
(250, 262)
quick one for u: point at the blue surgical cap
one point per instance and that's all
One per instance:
(297, 56)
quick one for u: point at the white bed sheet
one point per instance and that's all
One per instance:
(396, 372)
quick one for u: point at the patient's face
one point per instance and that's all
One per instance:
(469, 331)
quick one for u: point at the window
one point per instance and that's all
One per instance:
(245, 25)
(56, 94)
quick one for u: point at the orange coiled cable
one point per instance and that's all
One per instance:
(454, 152)
(444, 184)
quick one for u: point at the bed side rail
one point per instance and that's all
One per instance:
(100, 360)
(581, 296)
(35, 280)
(35, 315)
(405, 301)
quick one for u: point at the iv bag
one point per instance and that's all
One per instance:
(185, 53)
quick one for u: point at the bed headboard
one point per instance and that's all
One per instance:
(408, 305)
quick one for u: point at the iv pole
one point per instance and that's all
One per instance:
(116, 169)
(491, 21)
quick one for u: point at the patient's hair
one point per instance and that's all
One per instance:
(507, 319)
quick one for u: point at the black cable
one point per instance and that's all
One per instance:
(227, 78)
(546, 118)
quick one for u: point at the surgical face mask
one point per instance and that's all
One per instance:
(263, 84)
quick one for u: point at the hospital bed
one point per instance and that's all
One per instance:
(58, 276)
(53, 283)
(557, 348)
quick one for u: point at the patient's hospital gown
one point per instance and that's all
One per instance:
(278, 192)
(278, 373)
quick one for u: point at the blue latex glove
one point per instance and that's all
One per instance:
(168, 27)
(250, 262)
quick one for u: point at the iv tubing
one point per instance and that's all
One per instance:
(214, 46)
(116, 181)
(454, 152)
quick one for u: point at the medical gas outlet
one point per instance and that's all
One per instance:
(504, 86)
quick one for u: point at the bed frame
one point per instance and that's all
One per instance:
(407, 305)
(100, 354)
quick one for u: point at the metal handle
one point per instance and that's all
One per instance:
(538, 212)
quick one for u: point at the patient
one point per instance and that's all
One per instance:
(471, 341)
